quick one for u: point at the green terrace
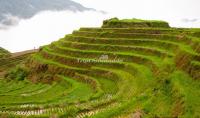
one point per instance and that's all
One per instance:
(124, 69)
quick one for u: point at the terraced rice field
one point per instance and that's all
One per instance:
(122, 72)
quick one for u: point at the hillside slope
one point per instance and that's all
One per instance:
(11, 60)
(121, 70)
(4, 53)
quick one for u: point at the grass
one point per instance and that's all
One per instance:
(157, 77)
(125, 56)
(188, 90)
(80, 92)
(4, 53)
(108, 86)
(120, 48)
(116, 23)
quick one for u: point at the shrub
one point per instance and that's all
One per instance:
(19, 73)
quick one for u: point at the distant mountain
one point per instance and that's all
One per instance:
(12, 10)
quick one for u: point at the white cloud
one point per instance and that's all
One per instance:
(46, 27)
(172, 11)
(189, 20)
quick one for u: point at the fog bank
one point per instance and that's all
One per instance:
(46, 27)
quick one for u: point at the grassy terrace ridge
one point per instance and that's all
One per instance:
(166, 37)
(183, 31)
(116, 23)
(126, 68)
(99, 46)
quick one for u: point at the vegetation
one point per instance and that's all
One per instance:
(4, 53)
(18, 73)
(116, 23)
(127, 68)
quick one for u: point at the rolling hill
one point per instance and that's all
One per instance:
(126, 69)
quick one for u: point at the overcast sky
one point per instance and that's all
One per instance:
(183, 13)
(46, 27)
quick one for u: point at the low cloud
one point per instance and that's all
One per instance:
(9, 21)
(46, 27)
(189, 20)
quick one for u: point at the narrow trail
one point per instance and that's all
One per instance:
(17, 54)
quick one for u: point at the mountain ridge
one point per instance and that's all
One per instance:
(13, 10)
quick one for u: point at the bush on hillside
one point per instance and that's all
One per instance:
(19, 73)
